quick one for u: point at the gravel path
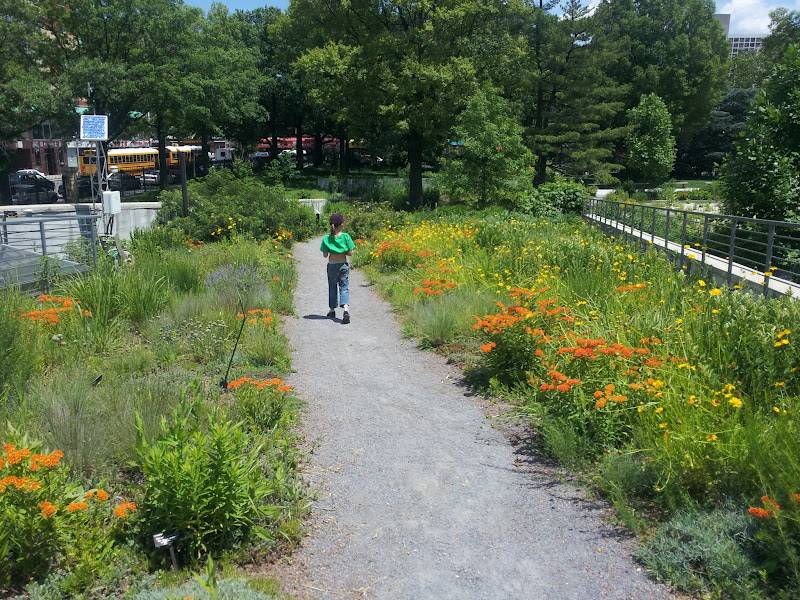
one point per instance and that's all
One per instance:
(419, 496)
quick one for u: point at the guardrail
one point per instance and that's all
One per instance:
(33, 249)
(763, 252)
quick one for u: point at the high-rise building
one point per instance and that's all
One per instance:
(740, 42)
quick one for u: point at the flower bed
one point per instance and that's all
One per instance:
(116, 428)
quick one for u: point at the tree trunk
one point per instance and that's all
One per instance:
(163, 169)
(317, 155)
(273, 151)
(299, 143)
(205, 148)
(414, 169)
(344, 166)
(541, 170)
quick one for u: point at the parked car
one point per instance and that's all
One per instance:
(123, 182)
(31, 187)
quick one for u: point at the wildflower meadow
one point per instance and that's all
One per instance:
(673, 394)
(115, 426)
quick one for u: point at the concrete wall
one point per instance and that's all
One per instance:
(135, 215)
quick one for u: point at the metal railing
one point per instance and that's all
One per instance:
(762, 252)
(35, 248)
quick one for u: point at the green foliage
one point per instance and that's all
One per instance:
(225, 589)
(565, 197)
(493, 163)
(442, 320)
(675, 49)
(650, 144)
(49, 522)
(704, 552)
(18, 357)
(281, 171)
(208, 485)
(223, 205)
(760, 179)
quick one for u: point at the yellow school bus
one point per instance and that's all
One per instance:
(130, 160)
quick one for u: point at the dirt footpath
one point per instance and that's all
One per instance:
(418, 495)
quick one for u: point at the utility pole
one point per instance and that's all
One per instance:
(184, 190)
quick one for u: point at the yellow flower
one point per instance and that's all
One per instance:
(779, 384)
(659, 410)
(711, 437)
(735, 402)
(692, 400)
(662, 425)
(641, 408)
(701, 283)
(715, 292)
(775, 409)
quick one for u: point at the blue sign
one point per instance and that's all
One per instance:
(94, 128)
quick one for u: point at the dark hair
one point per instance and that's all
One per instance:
(336, 220)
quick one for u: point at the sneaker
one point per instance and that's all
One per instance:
(331, 314)
(346, 318)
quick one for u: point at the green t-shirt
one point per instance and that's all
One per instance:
(337, 245)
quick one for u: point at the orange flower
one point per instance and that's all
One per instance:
(14, 455)
(47, 461)
(123, 509)
(770, 503)
(76, 506)
(26, 484)
(47, 509)
(488, 347)
(102, 495)
(759, 513)
(601, 403)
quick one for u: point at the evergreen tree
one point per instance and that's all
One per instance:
(570, 104)
(650, 143)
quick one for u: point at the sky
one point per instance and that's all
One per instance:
(747, 16)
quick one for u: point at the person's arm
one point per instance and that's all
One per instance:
(350, 246)
(323, 249)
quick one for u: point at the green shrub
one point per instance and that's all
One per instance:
(703, 552)
(156, 239)
(263, 410)
(98, 292)
(206, 485)
(49, 521)
(265, 348)
(179, 268)
(224, 204)
(567, 197)
(363, 220)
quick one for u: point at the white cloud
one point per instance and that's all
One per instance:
(752, 16)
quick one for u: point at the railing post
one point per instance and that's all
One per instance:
(666, 234)
(768, 258)
(93, 226)
(704, 243)
(683, 238)
(731, 251)
(653, 226)
(5, 229)
(43, 238)
(641, 225)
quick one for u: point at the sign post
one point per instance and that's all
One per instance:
(94, 128)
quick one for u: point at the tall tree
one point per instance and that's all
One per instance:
(650, 143)
(673, 48)
(415, 57)
(761, 178)
(784, 30)
(570, 104)
(494, 164)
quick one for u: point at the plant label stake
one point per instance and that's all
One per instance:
(224, 382)
(167, 540)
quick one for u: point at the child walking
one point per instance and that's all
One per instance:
(336, 247)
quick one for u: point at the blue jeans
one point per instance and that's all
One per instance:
(338, 284)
